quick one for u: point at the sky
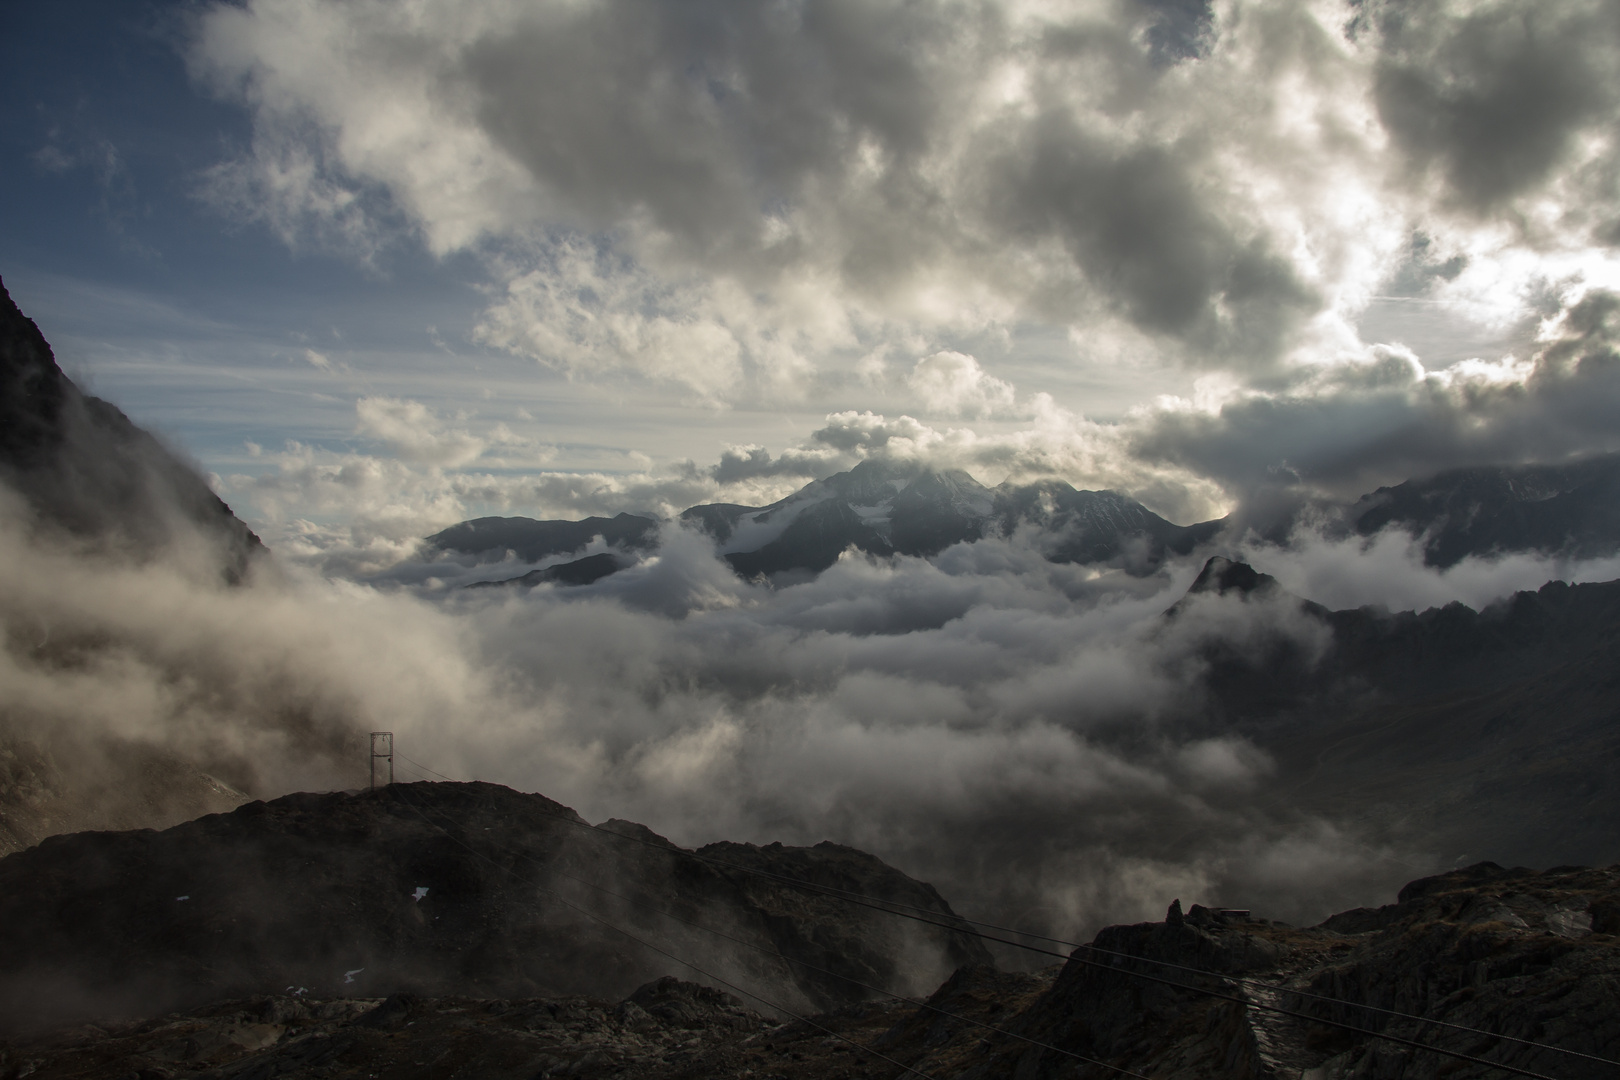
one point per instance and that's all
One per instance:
(379, 267)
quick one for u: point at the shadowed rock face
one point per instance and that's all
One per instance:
(468, 889)
(1449, 731)
(1528, 954)
(84, 468)
(1573, 509)
(579, 572)
(491, 538)
(1515, 951)
(87, 477)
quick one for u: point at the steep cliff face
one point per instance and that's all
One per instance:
(77, 475)
(468, 889)
(83, 468)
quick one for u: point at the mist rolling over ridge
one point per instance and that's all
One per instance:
(1036, 737)
(1041, 460)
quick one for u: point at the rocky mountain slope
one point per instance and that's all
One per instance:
(86, 470)
(1571, 509)
(1532, 956)
(1463, 732)
(465, 889)
(87, 477)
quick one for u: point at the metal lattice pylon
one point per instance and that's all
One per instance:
(382, 747)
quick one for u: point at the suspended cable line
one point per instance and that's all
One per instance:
(645, 903)
(917, 914)
(665, 952)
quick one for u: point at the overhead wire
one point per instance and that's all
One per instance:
(643, 902)
(665, 952)
(909, 911)
(898, 909)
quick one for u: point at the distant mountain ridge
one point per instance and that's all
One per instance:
(880, 507)
(491, 538)
(1571, 509)
(885, 507)
(908, 508)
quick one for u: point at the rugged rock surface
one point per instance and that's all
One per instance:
(465, 889)
(1530, 955)
(84, 477)
(85, 469)
(1572, 509)
(1452, 731)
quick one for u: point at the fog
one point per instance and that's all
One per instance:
(1027, 736)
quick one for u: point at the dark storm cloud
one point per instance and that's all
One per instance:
(706, 116)
(1141, 228)
(755, 462)
(1350, 428)
(1493, 99)
(708, 119)
(901, 161)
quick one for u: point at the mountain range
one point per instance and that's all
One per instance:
(1454, 731)
(888, 507)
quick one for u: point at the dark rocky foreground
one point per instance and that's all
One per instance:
(438, 889)
(1514, 952)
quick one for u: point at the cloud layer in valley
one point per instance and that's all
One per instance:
(1024, 734)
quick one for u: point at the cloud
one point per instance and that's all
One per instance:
(412, 431)
(740, 463)
(1381, 417)
(954, 384)
(677, 193)
(888, 704)
(1495, 98)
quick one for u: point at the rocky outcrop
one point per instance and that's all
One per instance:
(1448, 730)
(83, 468)
(1529, 955)
(436, 889)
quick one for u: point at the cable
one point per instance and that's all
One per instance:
(812, 967)
(425, 769)
(876, 904)
(664, 952)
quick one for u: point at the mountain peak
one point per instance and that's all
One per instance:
(1221, 575)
